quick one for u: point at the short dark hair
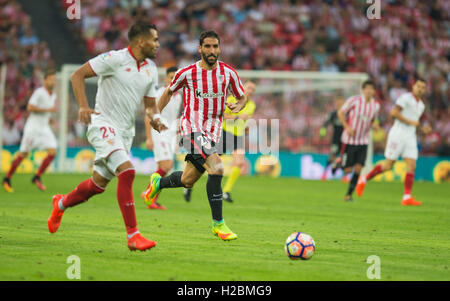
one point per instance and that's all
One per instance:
(171, 69)
(368, 82)
(140, 28)
(49, 71)
(420, 79)
(208, 34)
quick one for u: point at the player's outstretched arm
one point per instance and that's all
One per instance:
(396, 112)
(164, 99)
(77, 79)
(152, 112)
(36, 109)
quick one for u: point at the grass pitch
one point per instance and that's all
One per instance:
(413, 243)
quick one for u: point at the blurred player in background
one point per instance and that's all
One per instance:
(336, 143)
(37, 134)
(358, 115)
(206, 84)
(164, 144)
(126, 78)
(402, 140)
(233, 139)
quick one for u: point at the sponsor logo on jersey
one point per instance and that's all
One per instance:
(107, 55)
(208, 95)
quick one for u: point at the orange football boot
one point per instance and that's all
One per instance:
(55, 218)
(138, 242)
(411, 202)
(360, 187)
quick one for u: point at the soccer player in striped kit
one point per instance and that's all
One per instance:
(402, 140)
(357, 115)
(205, 85)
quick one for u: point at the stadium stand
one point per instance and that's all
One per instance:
(327, 36)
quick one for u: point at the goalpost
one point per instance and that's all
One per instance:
(308, 95)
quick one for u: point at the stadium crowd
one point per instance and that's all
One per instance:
(412, 38)
(25, 57)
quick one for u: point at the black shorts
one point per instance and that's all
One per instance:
(198, 147)
(353, 154)
(229, 142)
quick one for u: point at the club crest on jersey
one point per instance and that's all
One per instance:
(221, 78)
(107, 55)
(208, 95)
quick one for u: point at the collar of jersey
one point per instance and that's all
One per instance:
(137, 62)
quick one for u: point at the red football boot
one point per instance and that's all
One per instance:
(55, 218)
(138, 242)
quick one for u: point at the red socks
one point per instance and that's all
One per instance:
(126, 200)
(161, 172)
(82, 193)
(409, 180)
(375, 171)
(45, 164)
(14, 166)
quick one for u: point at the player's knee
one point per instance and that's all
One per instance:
(99, 180)
(166, 165)
(188, 182)
(216, 168)
(51, 152)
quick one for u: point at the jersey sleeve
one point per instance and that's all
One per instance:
(236, 85)
(178, 81)
(105, 63)
(152, 90)
(348, 105)
(35, 98)
(401, 101)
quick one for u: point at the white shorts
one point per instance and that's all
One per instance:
(106, 141)
(399, 145)
(39, 138)
(164, 146)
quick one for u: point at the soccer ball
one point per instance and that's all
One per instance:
(299, 246)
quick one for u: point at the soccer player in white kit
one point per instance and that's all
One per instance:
(164, 144)
(402, 140)
(126, 78)
(205, 85)
(37, 134)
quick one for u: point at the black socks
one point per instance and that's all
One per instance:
(214, 191)
(171, 181)
(353, 183)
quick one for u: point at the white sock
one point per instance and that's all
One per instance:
(406, 196)
(60, 204)
(132, 234)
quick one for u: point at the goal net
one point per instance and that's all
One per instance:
(299, 102)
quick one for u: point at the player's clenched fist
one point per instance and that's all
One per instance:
(235, 107)
(157, 123)
(84, 115)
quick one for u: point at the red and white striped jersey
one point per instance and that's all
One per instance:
(360, 115)
(204, 93)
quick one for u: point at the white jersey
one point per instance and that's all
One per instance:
(412, 109)
(42, 99)
(122, 84)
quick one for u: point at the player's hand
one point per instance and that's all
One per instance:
(235, 107)
(158, 125)
(350, 131)
(149, 144)
(52, 110)
(84, 115)
(426, 129)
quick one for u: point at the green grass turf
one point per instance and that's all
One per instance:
(413, 243)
